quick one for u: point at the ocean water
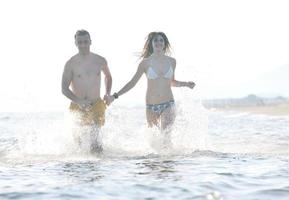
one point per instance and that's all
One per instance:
(214, 155)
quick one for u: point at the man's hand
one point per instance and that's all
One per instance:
(190, 84)
(108, 99)
(84, 104)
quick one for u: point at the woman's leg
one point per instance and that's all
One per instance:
(167, 120)
(152, 118)
(168, 117)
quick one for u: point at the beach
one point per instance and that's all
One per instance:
(273, 110)
(274, 106)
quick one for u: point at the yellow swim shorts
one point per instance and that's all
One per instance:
(92, 115)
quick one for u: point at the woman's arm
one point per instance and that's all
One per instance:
(140, 70)
(176, 83)
(189, 84)
(133, 81)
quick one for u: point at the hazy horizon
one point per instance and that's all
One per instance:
(229, 48)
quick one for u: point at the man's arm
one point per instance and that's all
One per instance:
(66, 80)
(108, 78)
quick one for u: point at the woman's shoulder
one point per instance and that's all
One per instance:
(145, 62)
(171, 60)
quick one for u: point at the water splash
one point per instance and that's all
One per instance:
(124, 134)
(40, 136)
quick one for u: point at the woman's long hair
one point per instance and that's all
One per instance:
(148, 47)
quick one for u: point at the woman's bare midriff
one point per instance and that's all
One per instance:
(159, 91)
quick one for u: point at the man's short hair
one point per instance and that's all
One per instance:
(81, 33)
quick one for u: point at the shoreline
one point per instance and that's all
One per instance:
(272, 110)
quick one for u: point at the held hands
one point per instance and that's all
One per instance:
(108, 99)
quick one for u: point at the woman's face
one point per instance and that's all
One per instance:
(158, 43)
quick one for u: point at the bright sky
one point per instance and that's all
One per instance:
(221, 45)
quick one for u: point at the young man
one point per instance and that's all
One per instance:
(83, 73)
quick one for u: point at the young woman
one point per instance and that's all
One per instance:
(159, 69)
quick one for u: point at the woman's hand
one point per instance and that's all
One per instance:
(190, 84)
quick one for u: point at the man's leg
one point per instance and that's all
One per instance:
(95, 140)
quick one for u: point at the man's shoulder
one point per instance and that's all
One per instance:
(100, 60)
(71, 63)
(72, 59)
(98, 57)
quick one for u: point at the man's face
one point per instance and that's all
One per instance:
(83, 42)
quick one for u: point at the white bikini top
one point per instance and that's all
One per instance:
(151, 74)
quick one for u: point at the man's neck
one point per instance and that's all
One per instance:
(84, 53)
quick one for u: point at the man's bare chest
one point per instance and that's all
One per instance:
(86, 70)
